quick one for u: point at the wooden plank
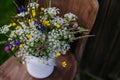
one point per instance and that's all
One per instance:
(102, 54)
(12, 70)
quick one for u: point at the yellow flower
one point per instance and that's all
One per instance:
(41, 41)
(64, 64)
(37, 6)
(13, 24)
(30, 20)
(58, 54)
(18, 27)
(57, 25)
(42, 9)
(47, 23)
(10, 24)
(13, 48)
(33, 13)
(40, 16)
(28, 9)
(20, 46)
(29, 36)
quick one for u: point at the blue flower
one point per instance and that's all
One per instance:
(21, 9)
(36, 22)
(10, 45)
(17, 42)
(43, 29)
(38, 28)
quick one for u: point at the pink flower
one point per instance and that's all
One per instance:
(75, 26)
(8, 48)
(39, 48)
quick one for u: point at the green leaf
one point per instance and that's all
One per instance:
(81, 28)
(7, 9)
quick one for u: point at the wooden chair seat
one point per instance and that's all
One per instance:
(12, 70)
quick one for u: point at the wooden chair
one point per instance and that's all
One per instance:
(86, 10)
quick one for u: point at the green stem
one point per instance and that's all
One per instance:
(79, 31)
(3, 42)
(81, 37)
(48, 3)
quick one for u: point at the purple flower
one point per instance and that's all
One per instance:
(10, 45)
(39, 48)
(8, 48)
(42, 29)
(17, 42)
(36, 22)
(75, 26)
(21, 9)
(38, 28)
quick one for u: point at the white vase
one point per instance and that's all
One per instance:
(38, 67)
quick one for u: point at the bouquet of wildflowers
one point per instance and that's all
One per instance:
(40, 32)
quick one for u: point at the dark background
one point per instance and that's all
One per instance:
(101, 56)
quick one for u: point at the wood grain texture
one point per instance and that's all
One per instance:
(102, 54)
(12, 70)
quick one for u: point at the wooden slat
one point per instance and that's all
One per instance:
(12, 70)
